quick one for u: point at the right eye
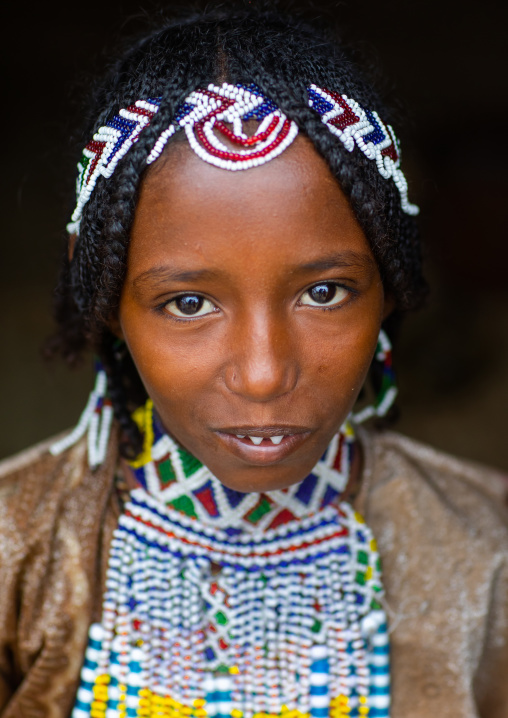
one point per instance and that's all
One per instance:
(189, 306)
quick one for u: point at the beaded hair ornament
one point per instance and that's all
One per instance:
(208, 116)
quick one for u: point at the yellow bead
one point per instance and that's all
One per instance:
(100, 692)
(348, 430)
(236, 713)
(359, 518)
(373, 545)
(199, 703)
(234, 670)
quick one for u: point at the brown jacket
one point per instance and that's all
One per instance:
(442, 530)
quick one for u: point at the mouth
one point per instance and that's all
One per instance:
(263, 446)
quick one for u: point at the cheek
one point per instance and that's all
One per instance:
(338, 362)
(176, 368)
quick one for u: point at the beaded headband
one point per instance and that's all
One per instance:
(203, 116)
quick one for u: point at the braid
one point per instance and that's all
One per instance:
(283, 56)
(115, 357)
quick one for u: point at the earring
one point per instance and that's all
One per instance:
(95, 421)
(388, 390)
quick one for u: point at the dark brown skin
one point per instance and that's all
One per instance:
(261, 355)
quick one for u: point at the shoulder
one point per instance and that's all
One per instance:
(35, 477)
(441, 524)
(56, 522)
(39, 489)
(409, 470)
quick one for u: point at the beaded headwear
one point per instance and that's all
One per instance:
(208, 116)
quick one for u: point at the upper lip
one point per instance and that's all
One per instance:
(267, 431)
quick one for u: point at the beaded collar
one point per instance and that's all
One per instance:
(216, 113)
(179, 481)
(236, 605)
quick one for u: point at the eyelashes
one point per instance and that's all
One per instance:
(324, 295)
(187, 306)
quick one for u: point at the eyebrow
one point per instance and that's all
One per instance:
(161, 275)
(346, 260)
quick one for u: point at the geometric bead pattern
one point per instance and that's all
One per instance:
(175, 478)
(239, 626)
(107, 147)
(357, 126)
(204, 117)
(211, 115)
(209, 612)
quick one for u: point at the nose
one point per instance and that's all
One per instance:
(263, 363)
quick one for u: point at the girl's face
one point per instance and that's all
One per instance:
(251, 307)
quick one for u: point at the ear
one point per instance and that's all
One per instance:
(71, 245)
(389, 305)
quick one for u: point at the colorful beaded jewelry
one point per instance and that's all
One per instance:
(207, 115)
(388, 390)
(355, 125)
(95, 422)
(109, 144)
(236, 605)
(205, 112)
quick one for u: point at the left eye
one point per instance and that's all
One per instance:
(189, 305)
(324, 294)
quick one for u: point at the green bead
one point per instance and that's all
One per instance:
(316, 627)
(189, 463)
(166, 472)
(363, 557)
(221, 618)
(185, 505)
(360, 578)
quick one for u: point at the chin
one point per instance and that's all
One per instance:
(259, 485)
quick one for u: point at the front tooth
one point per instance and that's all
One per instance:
(256, 439)
(240, 436)
(276, 439)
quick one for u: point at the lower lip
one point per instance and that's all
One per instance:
(266, 453)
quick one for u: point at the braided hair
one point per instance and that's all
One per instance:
(283, 56)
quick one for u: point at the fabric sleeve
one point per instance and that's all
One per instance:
(56, 520)
(491, 679)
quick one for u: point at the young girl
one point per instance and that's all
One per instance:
(242, 246)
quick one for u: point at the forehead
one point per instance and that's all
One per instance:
(295, 192)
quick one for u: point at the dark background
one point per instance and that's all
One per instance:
(446, 66)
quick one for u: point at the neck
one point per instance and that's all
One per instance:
(350, 492)
(176, 480)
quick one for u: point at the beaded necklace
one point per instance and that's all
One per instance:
(220, 603)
